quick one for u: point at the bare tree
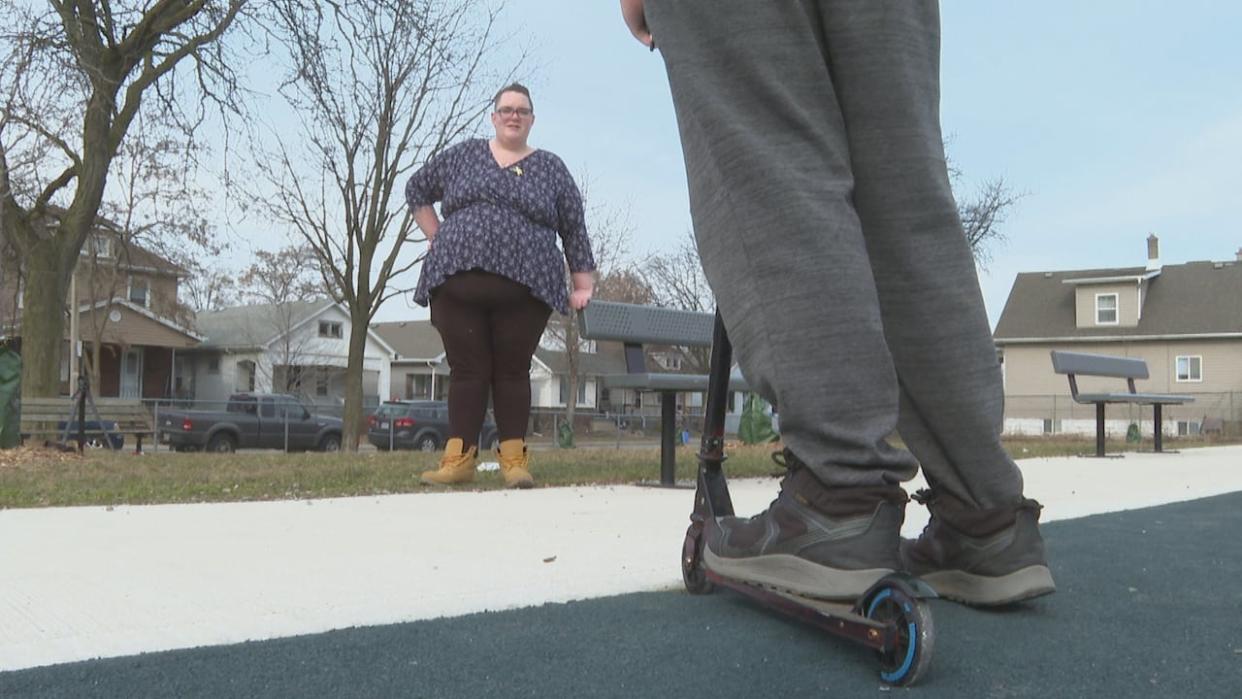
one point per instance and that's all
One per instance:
(381, 86)
(625, 285)
(207, 288)
(982, 216)
(74, 78)
(982, 213)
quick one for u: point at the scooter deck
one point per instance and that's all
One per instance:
(839, 618)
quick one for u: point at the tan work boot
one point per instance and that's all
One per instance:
(455, 466)
(515, 464)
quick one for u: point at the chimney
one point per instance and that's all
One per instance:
(1153, 252)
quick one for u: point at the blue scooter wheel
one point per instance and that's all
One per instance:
(910, 656)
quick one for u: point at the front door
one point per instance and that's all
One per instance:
(131, 374)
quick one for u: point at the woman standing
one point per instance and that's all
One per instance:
(493, 275)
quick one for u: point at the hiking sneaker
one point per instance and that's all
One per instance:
(979, 557)
(828, 543)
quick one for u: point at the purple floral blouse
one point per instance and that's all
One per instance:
(502, 220)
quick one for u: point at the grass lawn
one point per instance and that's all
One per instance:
(47, 478)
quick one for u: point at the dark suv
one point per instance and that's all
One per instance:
(418, 424)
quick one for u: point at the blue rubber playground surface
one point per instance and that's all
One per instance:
(1149, 604)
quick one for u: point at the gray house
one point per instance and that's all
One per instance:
(419, 370)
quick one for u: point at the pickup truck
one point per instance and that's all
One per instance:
(250, 421)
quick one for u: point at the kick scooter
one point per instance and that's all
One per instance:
(892, 617)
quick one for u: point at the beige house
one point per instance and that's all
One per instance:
(128, 315)
(1184, 320)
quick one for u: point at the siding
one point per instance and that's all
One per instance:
(132, 329)
(1127, 304)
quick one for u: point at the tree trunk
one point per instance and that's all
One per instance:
(43, 320)
(353, 382)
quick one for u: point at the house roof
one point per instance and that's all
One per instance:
(253, 327)
(1191, 299)
(134, 257)
(609, 358)
(413, 340)
(141, 259)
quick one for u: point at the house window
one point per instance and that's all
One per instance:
(417, 386)
(140, 292)
(97, 246)
(1189, 368)
(246, 370)
(1052, 426)
(1188, 428)
(213, 365)
(1106, 309)
(329, 328)
(564, 382)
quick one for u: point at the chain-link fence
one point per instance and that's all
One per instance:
(1217, 414)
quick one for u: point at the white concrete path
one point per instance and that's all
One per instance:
(80, 583)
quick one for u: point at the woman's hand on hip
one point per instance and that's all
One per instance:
(636, 19)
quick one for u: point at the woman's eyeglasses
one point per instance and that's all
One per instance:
(510, 111)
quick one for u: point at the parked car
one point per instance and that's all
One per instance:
(95, 431)
(251, 421)
(419, 424)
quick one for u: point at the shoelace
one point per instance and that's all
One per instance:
(789, 461)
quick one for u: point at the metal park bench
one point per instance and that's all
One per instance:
(1074, 364)
(635, 326)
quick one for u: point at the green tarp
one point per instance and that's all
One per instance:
(755, 425)
(10, 398)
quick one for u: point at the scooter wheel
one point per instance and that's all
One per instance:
(911, 654)
(692, 572)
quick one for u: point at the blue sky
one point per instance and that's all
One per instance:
(1116, 119)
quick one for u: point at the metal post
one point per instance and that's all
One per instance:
(155, 435)
(82, 388)
(668, 425)
(1099, 429)
(391, 422)
(1156, 410)
(285, 419)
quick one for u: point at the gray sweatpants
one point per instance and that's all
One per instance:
(830, 237)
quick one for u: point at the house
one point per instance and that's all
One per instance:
(301, 347)
(129, 322)
(1185, 320)
(419, 370)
